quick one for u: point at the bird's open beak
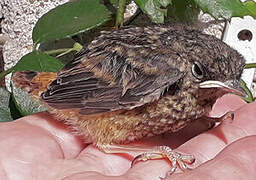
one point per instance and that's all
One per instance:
(232, 86)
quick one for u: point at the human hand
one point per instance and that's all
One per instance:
(39, 147)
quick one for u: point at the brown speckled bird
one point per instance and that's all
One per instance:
(139, 82)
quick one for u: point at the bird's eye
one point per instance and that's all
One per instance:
(197, 70)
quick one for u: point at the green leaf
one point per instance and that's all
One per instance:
(39, 62)
(35, 61)
(69, 19)
(155, 9)
(250, 65)
(15, 113)
(114, 3)
(25, 103)
(5, 113)
(226, 8)
(120, 13)
(65, 43)
(251, 6)
(249, 97)
(62, 49)
(183, 11)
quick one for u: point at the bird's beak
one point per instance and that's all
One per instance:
(232, 86)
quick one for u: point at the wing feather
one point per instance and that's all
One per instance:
(106, 79)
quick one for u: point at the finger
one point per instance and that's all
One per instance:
(236, 161)
(227, 103)
(207, 145)
(232, 159)
(110, 164)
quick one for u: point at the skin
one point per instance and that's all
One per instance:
(38, 147)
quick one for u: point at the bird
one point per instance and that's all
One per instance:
(138, 82)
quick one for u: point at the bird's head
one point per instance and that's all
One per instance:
(216, 68)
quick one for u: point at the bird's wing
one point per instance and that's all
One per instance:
(102, 81)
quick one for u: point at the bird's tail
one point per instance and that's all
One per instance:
(33, 82)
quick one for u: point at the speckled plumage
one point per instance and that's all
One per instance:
(138, 82)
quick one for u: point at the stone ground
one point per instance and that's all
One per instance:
(19, 18)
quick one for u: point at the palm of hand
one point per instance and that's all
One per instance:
(38, 147)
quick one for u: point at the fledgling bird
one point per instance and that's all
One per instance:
(139, 82)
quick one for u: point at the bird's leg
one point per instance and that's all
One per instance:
(176, 158)
(114, 149)
(159, 152)
(226, 118)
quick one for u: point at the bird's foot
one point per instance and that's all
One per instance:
(226, 118)
(161, 152)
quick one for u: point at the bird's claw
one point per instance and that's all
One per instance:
(228, 117)
(211, 121)
(166, 152)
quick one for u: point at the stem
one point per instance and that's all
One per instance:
(250, 65)
(35, 46)
(58, 51)
(248, 92)
(4, 73)
(76, 47)
(2, 82)
(120, 13)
